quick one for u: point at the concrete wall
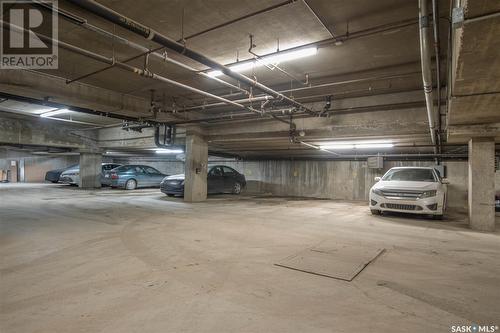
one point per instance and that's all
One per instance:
(348, 180)
(35, 166)
(168, 167)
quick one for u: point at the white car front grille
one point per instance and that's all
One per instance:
(401, 194)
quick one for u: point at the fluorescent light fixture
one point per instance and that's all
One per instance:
(54, 113)
(358, 145)
(214, 73)
(36, 109)
(169, 151)
(270, 59)
(374, 145)
(289, 55)
(337, 146)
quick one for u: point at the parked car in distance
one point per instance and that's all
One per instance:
(131, 177)
(220, 179)
(53, 175)
(497, 202)
(416, 190)
(72, 175)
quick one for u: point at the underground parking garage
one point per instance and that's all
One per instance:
(252, 166)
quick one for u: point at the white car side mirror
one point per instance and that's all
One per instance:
(445, 181)
(377, 179)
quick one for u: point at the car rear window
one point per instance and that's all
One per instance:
(151, 170)
(124, 168)
(411, 175)
(108, 167)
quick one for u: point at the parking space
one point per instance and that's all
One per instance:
(85, 260)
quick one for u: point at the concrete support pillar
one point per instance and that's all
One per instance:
(482, 184)
(195, 185)
(90, 170)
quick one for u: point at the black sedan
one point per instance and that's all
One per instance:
(220, 179)
(53, 175)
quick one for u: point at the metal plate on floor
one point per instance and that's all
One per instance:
(338, 261)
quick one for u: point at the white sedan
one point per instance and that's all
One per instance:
(72, 176)
(416, 190)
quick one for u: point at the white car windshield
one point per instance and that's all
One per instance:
(410, 175)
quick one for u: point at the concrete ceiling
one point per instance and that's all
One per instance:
(293, 24)
(385, 100)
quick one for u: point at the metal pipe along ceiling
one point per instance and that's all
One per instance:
(148, 33)
(425, 56)
(132, 69)
(56, 105)
(162, 57)
(318, 86)
(435, 28)
(145, 73)
(241, 18)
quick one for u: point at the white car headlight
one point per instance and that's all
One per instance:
(377, 192)
(428, 194)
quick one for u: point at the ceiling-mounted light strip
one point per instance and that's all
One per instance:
(271, 59)
(169, 151)
(374, 145)
(54, 113)
(349, 145)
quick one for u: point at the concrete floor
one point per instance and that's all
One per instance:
(116, 261)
